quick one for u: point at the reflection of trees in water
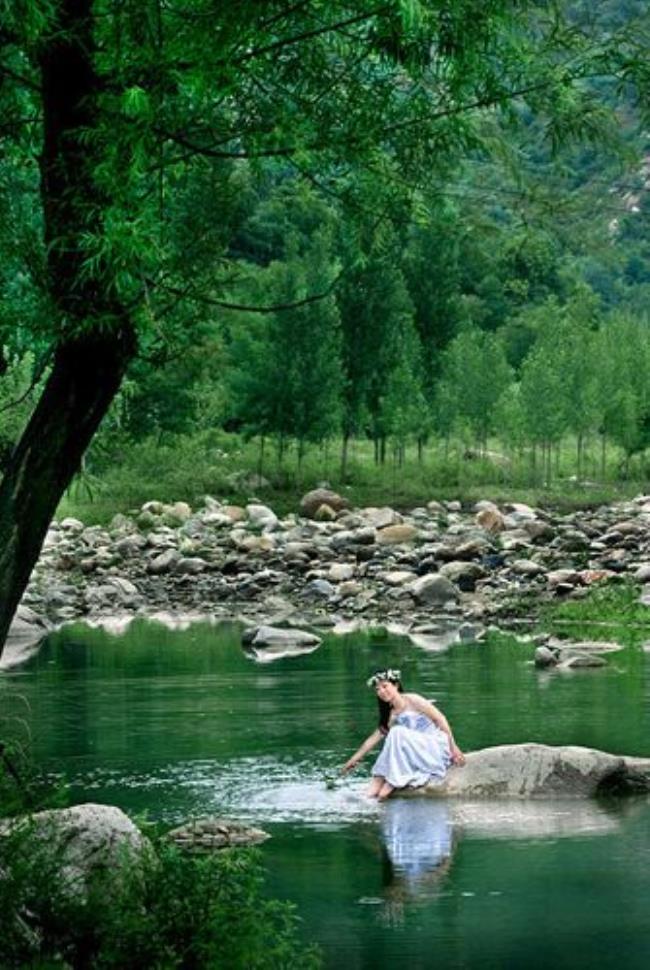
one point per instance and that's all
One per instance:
(15, 741)
(418, 843)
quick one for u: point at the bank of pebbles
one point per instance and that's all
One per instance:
(438, 572)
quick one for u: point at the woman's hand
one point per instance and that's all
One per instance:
(457, 756)
(349, 765)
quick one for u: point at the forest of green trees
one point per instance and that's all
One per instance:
(399, 227)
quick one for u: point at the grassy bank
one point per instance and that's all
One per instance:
(609, 613)
(215, 463)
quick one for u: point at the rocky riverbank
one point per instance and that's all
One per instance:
(438, 571)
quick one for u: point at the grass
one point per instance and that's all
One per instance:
(220, 464)
(609, 613)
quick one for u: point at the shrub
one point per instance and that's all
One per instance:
(171, 910)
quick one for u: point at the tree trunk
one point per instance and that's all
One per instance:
(344, 456)
(260, 456)
(85, 377)
(95, 337)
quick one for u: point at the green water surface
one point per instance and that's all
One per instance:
(181, 724)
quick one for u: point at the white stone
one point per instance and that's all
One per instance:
(380, 518)
(262, 516)
(433, 588)
(340, 571)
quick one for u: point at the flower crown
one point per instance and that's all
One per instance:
(392, 676)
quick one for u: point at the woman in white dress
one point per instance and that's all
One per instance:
(418, 744)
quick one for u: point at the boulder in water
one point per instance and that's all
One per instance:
(542, 771)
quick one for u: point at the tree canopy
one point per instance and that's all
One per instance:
(168, 166)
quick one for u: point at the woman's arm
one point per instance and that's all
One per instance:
(426, 707)
(367, 745)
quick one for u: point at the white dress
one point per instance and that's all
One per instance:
(415, 752)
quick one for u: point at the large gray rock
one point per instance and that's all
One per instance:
(26, 632)
(87, 840)
(542, 771)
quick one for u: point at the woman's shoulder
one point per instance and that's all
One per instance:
(415, 700)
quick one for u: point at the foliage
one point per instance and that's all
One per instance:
(297, 210)
(608, 613)
(170, 910)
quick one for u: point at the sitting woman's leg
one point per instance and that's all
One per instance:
(375, 786)
(385, 790)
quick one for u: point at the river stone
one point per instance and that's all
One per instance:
(381, 518)
(397, 577)
(319, 588)
(513, 540)
(396, 534)
(25, 634)
(208, 834)
(270, 636)
(545, 657)
(153, 508)
(433, 589)
(526, 567)
(256, 545)
(163, 562)
(586, 660)
(340, 571)
(121, 523)
(73, 526)
(176, 515)
(537, 530)
(521, 509)
(235, 513)
(91, 839)
(312, 501)
(436, 508)
(563, 577)
(324, 513)
(491, 520)
(130, 546)
(262, 517)
(189, 566)
(642, 573)
(463, 574)
(127, 591)
(349, 588)
(147, 520)
(571, 647)
(539, 771)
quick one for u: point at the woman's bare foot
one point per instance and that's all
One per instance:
(375, 786)
(385, 791)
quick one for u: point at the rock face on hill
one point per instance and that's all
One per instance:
(542, 771)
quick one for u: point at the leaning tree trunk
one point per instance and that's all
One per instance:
(85, 377)
(96, 339)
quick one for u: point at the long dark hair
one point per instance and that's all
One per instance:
(385, 708)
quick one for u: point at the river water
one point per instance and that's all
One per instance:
(181, 724)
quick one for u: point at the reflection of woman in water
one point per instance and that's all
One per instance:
(418, 843)
(419, 746)
(418, 837)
